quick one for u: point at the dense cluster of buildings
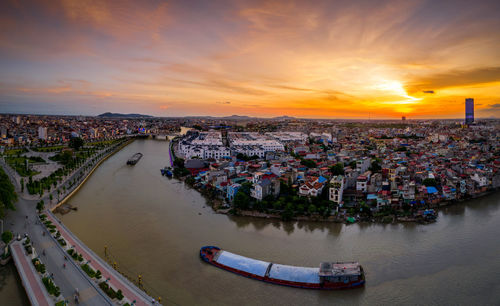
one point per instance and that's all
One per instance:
(33, 130)
(378, 165)
(349, 163)
(217, 144)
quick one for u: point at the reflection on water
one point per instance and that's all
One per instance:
(155, 226)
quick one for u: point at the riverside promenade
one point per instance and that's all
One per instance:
(32, 283)
(25, 220)
(131, 293)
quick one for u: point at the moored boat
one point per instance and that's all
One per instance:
(166, 171)
(329, 275)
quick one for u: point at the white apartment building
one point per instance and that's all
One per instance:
(287, 137)
(204, 145)
(255, 139)
(250, 151)
(42, 132)
(336, 189)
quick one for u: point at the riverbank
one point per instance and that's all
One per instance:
(87, 176)
(419, 213)
(344, 217)
(117, 282)
(219, 206)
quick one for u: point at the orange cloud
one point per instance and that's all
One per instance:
(329, 59)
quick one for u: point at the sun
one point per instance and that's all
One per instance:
(396, 88)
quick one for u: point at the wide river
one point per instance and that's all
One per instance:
(155, 226)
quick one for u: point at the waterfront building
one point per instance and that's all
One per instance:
(336, 189)
(469, 111)
(264, 188)
(232, 190)
(312, 187)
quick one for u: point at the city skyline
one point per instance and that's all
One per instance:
(321, 60)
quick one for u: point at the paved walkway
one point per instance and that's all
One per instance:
(69, 278)
(32, 282)
(116, 280)
(25, 220)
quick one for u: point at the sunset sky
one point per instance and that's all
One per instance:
(309, 59)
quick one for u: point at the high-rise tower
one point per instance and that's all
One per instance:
(469, 111)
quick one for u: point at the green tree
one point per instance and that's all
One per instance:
(337, 169)
(287, 213)
(190, 180)
(311, 209)
(375, 167)
(430, 182)
(309, 163)
(8, 195)
(241, 200)
(40, 205)
(300, 209)
(65, 158)
(179, 162)
(7, 236)
(242, 156)
(76, 143)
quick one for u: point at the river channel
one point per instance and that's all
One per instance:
(155, 226)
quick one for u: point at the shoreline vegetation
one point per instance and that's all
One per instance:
(314, 210)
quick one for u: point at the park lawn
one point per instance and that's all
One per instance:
(19, 164)
(15, 151)
(49, 149)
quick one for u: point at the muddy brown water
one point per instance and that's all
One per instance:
(154, 226)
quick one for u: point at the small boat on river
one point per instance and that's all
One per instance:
(328, 276)
(167, 171)
(134, 159)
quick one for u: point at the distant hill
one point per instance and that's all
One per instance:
(283, 118)
(236, 117)
(118, 115)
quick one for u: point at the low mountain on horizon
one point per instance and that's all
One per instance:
(119, 115)
(283, 118)
(237, 117)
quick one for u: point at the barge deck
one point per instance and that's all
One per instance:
(329, 275)
(134, 159)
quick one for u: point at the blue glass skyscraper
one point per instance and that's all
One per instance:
(469, 111)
